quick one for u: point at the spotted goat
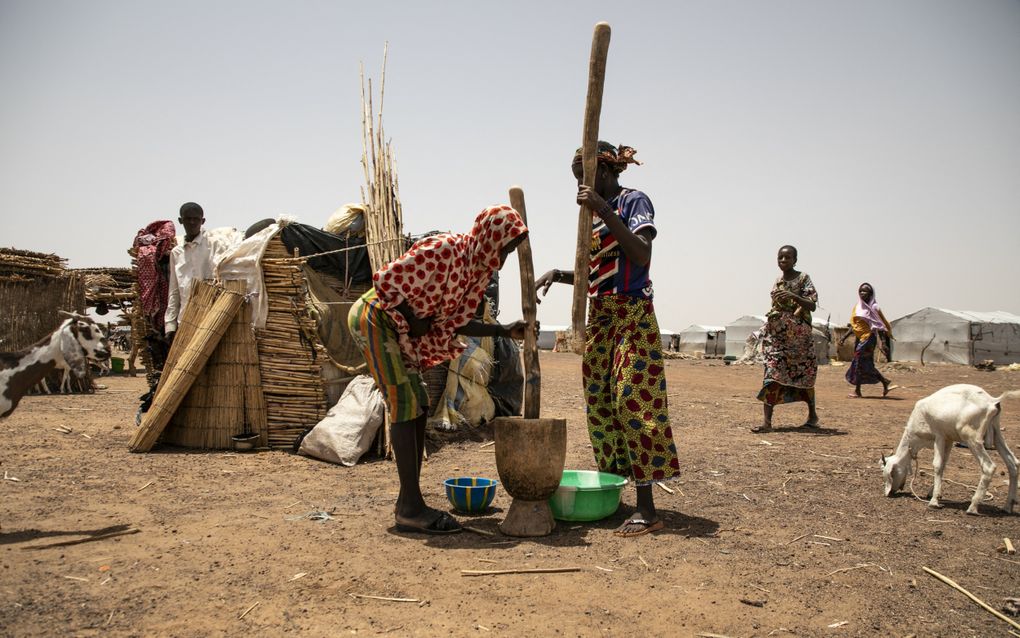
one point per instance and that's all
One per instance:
(70, 347)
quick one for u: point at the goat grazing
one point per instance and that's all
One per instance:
(963, 413)
(69, 347)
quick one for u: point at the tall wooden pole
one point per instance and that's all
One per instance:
(589, 147)
(532, 374)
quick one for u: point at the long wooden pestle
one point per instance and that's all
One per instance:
(532, 373)
(589, 151)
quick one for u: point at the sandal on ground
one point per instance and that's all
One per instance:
(443, 523)
(811, 425)
(759, 429)
(649, 527)
(886, 391)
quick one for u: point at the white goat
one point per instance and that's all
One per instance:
(963, 413)
(70, 346)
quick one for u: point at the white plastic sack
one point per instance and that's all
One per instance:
(349, 427)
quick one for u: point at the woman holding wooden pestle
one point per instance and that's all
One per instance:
(623, 373)
(410, 320)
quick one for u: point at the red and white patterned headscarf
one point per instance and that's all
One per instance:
(444, 277)
(153, 243)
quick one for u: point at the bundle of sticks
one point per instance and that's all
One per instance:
(384, 217)
(25, 265)
(112, 286)
(290, 352)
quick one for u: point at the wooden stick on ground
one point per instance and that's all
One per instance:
(848, 569)
(977, 600)
(500, 572)
(386, 598)
(98, 537)
(589, 151)
(253, 606)
(1009, 546)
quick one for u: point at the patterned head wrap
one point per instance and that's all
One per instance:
(444, 277)
(615, 157)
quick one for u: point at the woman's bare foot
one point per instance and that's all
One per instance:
(638, 526)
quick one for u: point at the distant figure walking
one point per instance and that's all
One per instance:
(871, 330)
(787, 347)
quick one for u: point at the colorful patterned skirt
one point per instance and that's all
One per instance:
(624, 380)
(788, 353)
(862, 370)
(373, 330)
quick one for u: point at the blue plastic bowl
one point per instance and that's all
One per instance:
(470, 494)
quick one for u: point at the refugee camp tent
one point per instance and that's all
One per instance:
(957, 336)
(823, 334)
(707, 340)
(547, 335)
(670, 339)
(737, 332)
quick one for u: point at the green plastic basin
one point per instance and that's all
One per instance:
(584, 495)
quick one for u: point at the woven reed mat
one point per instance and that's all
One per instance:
(205, 320)
(226, 398)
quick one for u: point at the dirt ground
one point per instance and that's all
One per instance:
(785, 534)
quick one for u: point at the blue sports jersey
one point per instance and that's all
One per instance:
(610, 272)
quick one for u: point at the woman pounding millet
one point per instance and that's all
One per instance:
(409, 321)
(623, 373)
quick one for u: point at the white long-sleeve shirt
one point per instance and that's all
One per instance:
(190, 261)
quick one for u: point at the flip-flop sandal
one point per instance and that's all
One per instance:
(811, 426)
(761, 429)
(886, 392)
(648, 529)
(438, 527)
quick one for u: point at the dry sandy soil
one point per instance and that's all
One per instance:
(786, 534)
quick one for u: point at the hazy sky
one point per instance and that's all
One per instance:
(882, 138)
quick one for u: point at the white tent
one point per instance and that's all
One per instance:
(710, 340)
(822, 334)
(956, 336)
(547, 335)
(669, 339)
(737, 332)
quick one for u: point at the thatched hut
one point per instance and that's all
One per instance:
(34, 288)
(282, 357)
